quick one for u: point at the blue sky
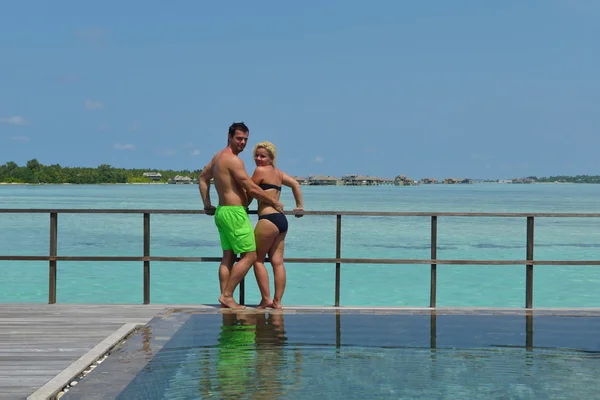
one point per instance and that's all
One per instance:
(475, 88)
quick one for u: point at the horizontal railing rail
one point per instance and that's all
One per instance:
(433, 261)
(355, 213)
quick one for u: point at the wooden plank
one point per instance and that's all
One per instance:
(38, 341)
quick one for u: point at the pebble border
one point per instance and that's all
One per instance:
(70, 376)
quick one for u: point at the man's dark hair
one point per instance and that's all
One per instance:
(238, 126)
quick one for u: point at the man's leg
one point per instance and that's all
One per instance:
(225, 268)
(238, 272)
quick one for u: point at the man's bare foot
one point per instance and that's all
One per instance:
(277, 305)
(265, 304)
(229, 302)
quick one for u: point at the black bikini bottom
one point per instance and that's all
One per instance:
(278, 219)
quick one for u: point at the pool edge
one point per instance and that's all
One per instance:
(51, 389)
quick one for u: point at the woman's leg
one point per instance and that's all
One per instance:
(276, 258)
(264, 233)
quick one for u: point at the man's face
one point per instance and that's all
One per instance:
(238, 141)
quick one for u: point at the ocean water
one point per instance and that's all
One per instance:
(310, 236)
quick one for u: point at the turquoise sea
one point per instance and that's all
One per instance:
(310, 236)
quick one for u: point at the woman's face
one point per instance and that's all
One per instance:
(262, 157)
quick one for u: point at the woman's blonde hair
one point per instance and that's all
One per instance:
(270, 147)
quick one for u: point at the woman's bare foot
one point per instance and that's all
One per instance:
(265, 304)
(229, 302)
(277, 305)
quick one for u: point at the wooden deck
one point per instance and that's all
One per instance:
(38, 341)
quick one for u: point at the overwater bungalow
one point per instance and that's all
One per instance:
(301, 180)
(364, 180)
(181, 180)
(403, 180)
(453, 181)
(155, 176)
(324, 180)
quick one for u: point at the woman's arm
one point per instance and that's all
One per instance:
(296, 191)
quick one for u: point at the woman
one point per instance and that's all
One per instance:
(272, 226)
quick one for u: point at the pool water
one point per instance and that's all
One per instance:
(352, 355)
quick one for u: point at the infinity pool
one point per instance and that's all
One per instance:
(352, 355)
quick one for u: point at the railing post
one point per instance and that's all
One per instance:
(338, 254)
(529, 330)
(529, 268)
(433, 288)
(146, 262)
(433, 330)
(243, 292)
(53, 253)
(338, 329)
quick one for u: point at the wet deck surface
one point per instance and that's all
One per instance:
(38, 341)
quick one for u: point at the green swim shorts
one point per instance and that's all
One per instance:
(235, 229)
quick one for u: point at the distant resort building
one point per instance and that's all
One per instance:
(453, 181)
(181, 180)
(403, 180)
(522, 180)
(324, 180)
(365, 180)
(301, 180)
(429, 181)
(155, 176)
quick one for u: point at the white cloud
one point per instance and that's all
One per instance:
(20, 138)
(318, 159)
(93, 105)
(169, 152)
(196, 152)
(120, 146)
(14, 120)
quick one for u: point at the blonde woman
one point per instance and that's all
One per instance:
(272, 225)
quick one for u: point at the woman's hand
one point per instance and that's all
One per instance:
(298, 212)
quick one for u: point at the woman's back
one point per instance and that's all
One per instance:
(270, 180)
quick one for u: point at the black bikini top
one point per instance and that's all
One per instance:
(266, 186)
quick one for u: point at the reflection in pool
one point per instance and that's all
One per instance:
(352, 355)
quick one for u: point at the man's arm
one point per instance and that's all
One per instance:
(257, 178)
(204, 185)
(252, 189)
(296, 191)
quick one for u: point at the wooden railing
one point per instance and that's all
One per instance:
(338, 260)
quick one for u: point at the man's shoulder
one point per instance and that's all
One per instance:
(230, 160)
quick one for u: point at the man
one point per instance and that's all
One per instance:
(235, 231)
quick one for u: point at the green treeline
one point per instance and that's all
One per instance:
(571, 179)
(34, 172)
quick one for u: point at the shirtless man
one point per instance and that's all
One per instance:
(236, 233)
